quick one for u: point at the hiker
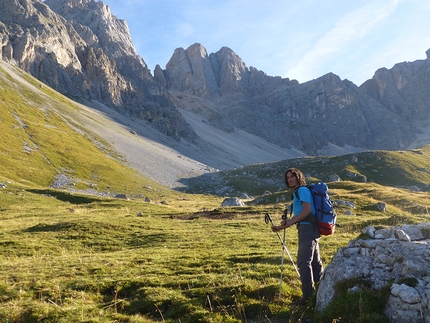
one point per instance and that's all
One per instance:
(308, 255)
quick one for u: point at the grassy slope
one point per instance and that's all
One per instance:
(410, 168)
(71, 257)
(41, 139)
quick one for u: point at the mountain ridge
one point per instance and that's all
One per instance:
(248, 99)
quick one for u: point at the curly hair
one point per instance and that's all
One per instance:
(298, 174)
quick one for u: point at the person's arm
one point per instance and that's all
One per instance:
(295, 219)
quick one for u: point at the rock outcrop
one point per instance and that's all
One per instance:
(386, 258)
(232, 201)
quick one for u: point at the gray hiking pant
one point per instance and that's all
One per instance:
(308, 258)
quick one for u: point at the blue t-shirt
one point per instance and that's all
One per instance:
(305, 196)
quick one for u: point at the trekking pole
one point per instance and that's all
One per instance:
(282, 261)
(267, 219)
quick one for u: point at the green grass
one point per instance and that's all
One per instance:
(77, 258)
(366, 306)
(402, 169)
(42, 138)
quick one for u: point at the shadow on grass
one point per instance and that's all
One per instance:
(252, 259)
(64, 226)
(66, 197)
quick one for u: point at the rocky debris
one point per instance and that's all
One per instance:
(379, 206)
(334, 178)
(2, 185)
(232, 201)
(122, 196)
(61, 181)
(388, 257)
(67, 183)
(244, 196)
(355, 176)
(261, 200)
(342, 203)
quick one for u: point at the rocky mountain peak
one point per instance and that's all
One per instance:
(231, 63)
(310, 116)
(191, 71)
(197, 50)
(214, 76)
(113, 34)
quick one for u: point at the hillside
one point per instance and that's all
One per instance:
(409, 169)
(45, 135)
(111, 134)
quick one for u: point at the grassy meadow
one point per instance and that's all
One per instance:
(79, 258)
(73, 257)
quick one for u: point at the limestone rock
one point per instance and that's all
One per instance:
(383, 259)
(232, 201)
(381, 206)
(405, 305)
(334, 178)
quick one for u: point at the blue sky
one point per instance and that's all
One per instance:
(301, 40)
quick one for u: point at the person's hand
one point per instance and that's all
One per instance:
(276, 228)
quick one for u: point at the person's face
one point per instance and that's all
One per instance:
(292, 180)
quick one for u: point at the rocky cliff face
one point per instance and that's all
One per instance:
(80, 49)
(404, 89)
(305, 116)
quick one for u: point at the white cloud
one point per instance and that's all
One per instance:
(349, 29)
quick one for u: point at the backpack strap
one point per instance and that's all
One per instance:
(311, 218)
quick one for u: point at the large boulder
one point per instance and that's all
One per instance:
(232, 201)
(389, 255)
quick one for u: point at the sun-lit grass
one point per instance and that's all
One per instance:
(41, 138)
(408, 169)
(85, 258)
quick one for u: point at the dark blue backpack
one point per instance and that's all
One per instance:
(325, 214)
